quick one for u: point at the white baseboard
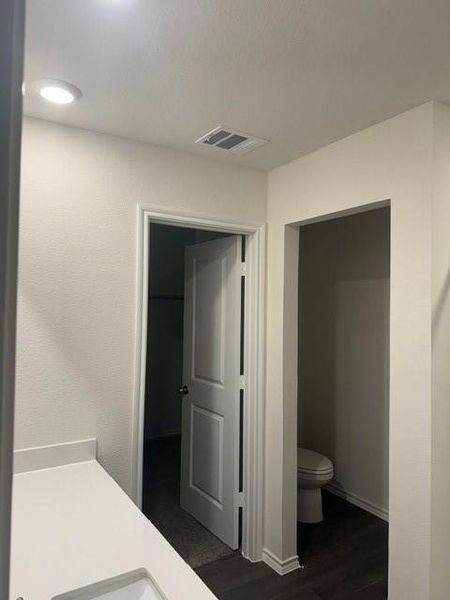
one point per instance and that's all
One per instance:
(251, 559)
(378, 511)
(282, 567)
(54, 455)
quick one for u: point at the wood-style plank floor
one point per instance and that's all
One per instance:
(344, 558)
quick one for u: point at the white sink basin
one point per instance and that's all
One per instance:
(137, 585)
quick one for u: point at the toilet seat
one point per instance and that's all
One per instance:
(312, 464)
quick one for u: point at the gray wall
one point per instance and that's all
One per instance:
(12, 26)
(344, 350)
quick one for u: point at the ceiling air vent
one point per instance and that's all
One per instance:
(231, 140)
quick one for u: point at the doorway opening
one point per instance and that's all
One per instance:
(198, 415)
(343, 397)
(172, 494)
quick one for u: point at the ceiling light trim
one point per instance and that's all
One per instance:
(57, 91)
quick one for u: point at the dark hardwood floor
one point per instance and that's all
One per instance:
(344, 558)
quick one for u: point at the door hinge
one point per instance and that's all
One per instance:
(243, 269)
(242, 382)
(239, 499)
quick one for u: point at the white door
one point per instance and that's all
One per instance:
(211, 371)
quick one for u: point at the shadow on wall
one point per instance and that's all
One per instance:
(344, 277)
(440, 304)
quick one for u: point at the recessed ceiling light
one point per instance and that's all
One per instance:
(56, 91)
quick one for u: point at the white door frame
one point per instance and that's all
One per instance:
(291, 333)
(254, 356)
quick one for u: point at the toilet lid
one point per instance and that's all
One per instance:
(309, 461)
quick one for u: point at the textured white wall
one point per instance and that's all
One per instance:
(440, 524)
(77, 274)
(344, 350)
(393, 161)
(77, 300)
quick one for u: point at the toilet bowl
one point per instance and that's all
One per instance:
(313, 472)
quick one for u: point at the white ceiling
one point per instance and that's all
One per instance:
(301, 73)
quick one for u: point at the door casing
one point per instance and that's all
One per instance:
(12, 36)
(254, 356)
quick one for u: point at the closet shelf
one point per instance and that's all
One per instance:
(167, 297)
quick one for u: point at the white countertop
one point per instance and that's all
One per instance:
(73, 525)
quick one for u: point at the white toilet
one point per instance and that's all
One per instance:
(313, 472)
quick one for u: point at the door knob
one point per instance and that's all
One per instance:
(183, 390)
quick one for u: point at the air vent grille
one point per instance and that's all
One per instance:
(231, 140)
(217, 137)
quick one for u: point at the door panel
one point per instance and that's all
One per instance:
(207, 453)
(208, 281)
(210, 442)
